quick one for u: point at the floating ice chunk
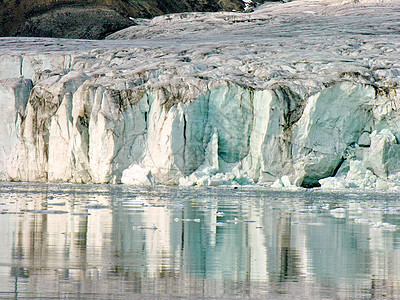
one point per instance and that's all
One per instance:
(243, 179)
(384, 226)
(392, 211)
(384, 185)
(184, 181)
(136, 174)
(154, 227)
(283, 182)
(222, 179)
(394, 177)
(315, 224)
(339, 213)
(199, 178)
(361, 221)
(204, 181)
(234, 221)
(332, 183)
(191, 220)
(187, 220)
(338, 210)
(202, 178)
(325, 206)
(377, 224)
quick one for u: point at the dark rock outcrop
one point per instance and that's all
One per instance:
(92, 19)
(76, 22)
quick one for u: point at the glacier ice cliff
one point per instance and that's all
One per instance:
(211, 99)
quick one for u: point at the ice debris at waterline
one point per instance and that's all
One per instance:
(294, 94)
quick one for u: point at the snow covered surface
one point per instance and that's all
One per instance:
(288, 95)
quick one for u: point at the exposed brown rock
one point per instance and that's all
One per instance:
(91, 19)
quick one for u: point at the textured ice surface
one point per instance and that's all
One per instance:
(291, 94)
(14, 94)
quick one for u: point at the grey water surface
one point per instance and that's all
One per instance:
(122, 242)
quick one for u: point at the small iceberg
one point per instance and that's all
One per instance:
(154, 227)
(187, 220)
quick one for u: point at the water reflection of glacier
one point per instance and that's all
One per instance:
(88, 240)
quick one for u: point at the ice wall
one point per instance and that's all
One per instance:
(249, 107)
(76, 128)
(14, 95)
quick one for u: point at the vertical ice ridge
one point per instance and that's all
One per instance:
(261, 134)
(94, 128)
(14, 95)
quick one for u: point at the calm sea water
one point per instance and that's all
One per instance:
(119, 242)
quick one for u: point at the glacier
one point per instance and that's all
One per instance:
(304, 93)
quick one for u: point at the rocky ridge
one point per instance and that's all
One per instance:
(92, 19)
(291, 94)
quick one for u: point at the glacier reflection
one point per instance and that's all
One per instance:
(117, 241)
